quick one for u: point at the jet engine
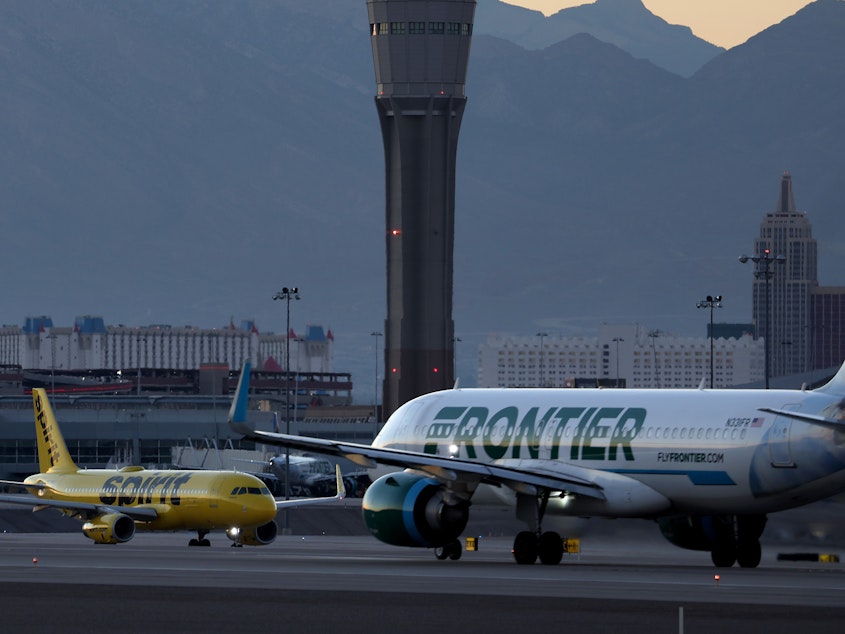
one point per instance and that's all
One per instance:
(112, 528)
(255, 536)
(692, 533)
(408, 509)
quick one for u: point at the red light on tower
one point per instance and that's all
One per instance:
(435, 370)
(395, 232)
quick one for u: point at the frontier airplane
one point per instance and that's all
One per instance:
(707, 465)
(113, 503)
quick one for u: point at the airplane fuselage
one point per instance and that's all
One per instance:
(720, 455)
(188, 500)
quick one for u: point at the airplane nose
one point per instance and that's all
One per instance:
(263, 507)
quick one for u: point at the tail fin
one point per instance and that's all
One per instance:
(836, 385)
(237, 413)
(52, 451)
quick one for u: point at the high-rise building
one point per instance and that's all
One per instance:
(828, 327)
(782, 294)
(420, 51)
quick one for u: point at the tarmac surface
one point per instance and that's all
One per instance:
(627, 578)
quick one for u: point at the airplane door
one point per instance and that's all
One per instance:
(779, 449)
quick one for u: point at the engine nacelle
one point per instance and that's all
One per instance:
(255, 536)
(692, 533)
(408, 509)
(112, 528)
(703, 532)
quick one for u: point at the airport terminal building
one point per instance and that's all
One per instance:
(130, 395)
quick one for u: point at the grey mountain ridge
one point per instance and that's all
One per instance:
(627, 24)
(179, 162)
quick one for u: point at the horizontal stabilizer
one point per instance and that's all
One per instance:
(813, 419)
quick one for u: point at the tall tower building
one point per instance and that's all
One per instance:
(787, 232)
(420, 51)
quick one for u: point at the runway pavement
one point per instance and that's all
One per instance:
(356, 584)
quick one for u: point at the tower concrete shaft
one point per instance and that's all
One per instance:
(420, 51)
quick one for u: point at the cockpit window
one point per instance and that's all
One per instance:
(250, 491)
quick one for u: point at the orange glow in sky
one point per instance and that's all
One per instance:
(725, 23)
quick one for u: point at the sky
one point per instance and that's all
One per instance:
(725, 23)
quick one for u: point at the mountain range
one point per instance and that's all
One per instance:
(179, 162)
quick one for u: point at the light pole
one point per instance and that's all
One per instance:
(654, 334)
(617, 340)
(712, 301)
(138, 346)
(376, 334)
(542, 336)
(52, 337)
(287, 294)
(455, 342)
(763, 269)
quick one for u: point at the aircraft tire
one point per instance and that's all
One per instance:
(455, 550)
(193, 542)
(550, 548)
(441, 552)
(525, 548)
(749, 554)
(723, 555)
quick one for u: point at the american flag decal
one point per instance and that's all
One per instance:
(758, 422)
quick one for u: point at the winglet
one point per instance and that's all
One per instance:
(237, 412)
(341, 493)
(341, 488)
(53, 455)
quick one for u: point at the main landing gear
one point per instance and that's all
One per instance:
(528, 546)
(737, 540)
(200, 540)
(451, 550)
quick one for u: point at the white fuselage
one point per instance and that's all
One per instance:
(702, 451)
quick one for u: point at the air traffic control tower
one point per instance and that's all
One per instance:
(420, 50)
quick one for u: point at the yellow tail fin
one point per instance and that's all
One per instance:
(52, 452)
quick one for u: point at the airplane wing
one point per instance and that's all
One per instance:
(448, 469)
(140, 513)
(341, 493)
(23, 485)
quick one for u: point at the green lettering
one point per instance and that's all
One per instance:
(626, 429)
(594, 430)
(469, 427)
(498, 449)
(579, 433)
(530, 431)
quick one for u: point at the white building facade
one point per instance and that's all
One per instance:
(626, 355)
(91, 345)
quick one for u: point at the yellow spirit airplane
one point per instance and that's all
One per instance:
(114, 503)
(707, 465)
